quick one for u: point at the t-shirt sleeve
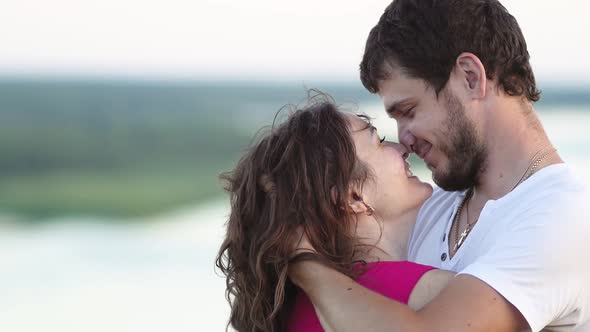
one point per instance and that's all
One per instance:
(541, 267)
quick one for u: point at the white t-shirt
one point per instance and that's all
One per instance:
(532, 246)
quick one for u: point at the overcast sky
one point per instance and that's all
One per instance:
(256, 39)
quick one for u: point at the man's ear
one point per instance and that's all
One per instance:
(471, 73)
(355, 201)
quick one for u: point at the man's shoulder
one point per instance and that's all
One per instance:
(555, 190)
(558, 178)
(553, 208)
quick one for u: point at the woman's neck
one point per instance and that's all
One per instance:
(385, 240)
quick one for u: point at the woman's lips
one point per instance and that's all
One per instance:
(409, 170)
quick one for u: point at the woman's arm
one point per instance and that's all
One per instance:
(428, 287)
(323, 321)
(465, 304)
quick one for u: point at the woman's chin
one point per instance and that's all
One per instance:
(425, 190)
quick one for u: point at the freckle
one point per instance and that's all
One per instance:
(468, 324)
(349, 289)
(501, 175)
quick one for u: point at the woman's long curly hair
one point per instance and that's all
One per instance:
(299, 174)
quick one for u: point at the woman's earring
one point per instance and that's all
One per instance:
(370, 210)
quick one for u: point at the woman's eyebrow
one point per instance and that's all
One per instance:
(371, 128)
(368, 124)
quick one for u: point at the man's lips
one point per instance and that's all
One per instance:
(422, 150)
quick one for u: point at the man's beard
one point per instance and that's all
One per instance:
(465, 152)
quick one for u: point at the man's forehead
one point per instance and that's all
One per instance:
(398, 89)
(393, 98)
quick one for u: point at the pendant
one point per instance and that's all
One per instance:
(462, 238)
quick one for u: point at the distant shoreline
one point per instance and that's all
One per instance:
(558, 92)
(128, 150)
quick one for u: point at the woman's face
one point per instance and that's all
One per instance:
(393, 189)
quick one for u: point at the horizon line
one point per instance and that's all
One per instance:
(194, 79)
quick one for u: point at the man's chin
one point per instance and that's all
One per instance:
(448, 181)
(440, 182)
(450, 185)
(438, 176)
(445, 179)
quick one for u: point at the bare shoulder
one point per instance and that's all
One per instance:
(428, 287)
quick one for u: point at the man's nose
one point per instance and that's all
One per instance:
(402, 150)
(407, 139)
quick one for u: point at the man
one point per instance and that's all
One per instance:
(510, 217)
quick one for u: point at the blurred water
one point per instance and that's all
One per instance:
(83, 274)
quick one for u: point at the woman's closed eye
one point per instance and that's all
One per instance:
(374, 131)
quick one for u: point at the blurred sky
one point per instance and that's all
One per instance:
(257, 39)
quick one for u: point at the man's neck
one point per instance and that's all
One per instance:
(511, 149)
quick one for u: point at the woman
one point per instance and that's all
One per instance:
(329, 174)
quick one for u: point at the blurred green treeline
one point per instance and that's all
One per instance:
(134, 148)
(117, 148)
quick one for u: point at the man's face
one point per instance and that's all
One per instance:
(437, 129)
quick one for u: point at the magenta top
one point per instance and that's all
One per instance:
(395, 280)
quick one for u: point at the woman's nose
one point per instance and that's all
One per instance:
(403, 151)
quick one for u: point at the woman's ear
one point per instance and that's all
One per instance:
(355, 202)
